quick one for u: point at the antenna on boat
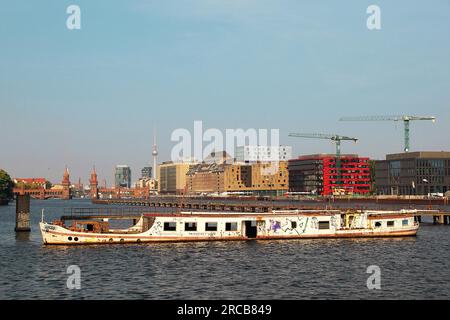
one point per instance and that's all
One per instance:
(42, 215)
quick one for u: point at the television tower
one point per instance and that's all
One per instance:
(154, 154)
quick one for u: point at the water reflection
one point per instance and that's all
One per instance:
(412, 267)
(23, 236)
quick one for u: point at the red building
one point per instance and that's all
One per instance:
(317, 174)
(36, 182)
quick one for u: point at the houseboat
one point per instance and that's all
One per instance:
(209, 226)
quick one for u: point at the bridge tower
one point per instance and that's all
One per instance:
(66, 185)
(93, 182)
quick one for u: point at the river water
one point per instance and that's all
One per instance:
(411, 268)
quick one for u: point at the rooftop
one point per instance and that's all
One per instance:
(419, 155)
(324, 155)
(31, 180)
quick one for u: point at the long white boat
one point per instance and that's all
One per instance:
(210, 226)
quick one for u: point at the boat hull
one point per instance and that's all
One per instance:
(55, 235)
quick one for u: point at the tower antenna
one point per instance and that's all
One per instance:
(154, 154)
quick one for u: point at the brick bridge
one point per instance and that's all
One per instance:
(44, 193)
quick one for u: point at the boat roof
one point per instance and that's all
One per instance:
(278, 213)
(387, 212)
(185, 214)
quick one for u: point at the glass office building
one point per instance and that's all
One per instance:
(413, 173)
(122, 176)
(146, 172)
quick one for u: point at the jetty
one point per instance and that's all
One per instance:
(439, 211)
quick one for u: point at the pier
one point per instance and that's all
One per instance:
(440, 216)
(263, 204)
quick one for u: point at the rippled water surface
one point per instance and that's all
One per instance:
(416, 268)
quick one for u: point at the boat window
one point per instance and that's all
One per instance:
(231, 226)
(324, 225)
(377, 224)
(293, 224)
(190, 226)
(405, 222)
(390, 223)
(211, 226)
(170, 226)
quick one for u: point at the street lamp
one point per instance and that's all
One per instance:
(429, 198)
(413, 185)
(426, 181)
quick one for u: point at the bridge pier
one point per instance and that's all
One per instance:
(23, 213)
(439, 219)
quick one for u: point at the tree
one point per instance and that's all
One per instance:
(48, 185)
(6, 186)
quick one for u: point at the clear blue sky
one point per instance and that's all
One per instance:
(93, 96)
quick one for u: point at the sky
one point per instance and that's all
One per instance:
(93, 96)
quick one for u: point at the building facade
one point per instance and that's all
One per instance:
(263, 153)
(318, 174)
(122, 176)
(146, 172)
(239, 178)
(413, 173)
(172, 177)
(149, 183)
(206, 178)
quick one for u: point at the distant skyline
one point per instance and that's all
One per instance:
(94, 96)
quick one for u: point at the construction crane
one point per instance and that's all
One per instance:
(333, 137)
(404, 118)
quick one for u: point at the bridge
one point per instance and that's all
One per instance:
(42, 193)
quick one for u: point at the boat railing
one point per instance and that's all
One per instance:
(110, 211)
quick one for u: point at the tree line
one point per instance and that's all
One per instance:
(6, 186)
